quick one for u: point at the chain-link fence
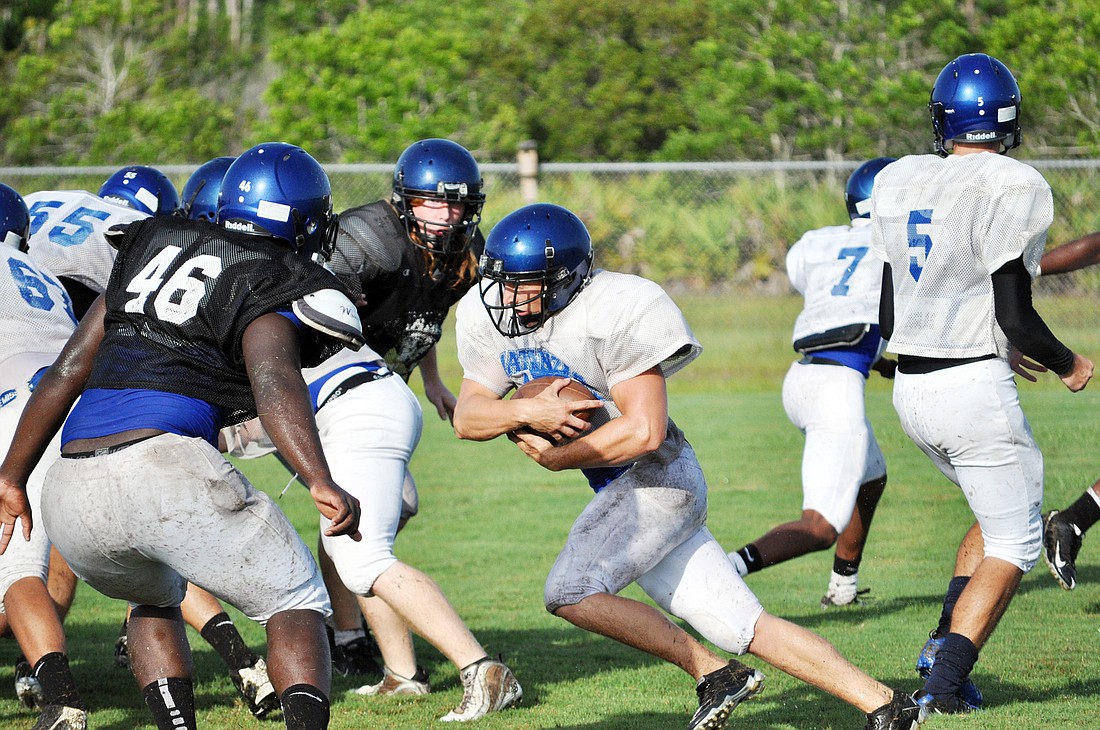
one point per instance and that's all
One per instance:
(707, 226)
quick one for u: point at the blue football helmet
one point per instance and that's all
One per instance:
(277, 189)
(143, 188)
(857, 193)
(200, 193)
(542, 245)
(15, 221)
(975, 99)
(438, 169)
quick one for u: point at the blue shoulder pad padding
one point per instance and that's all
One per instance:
(331, 312)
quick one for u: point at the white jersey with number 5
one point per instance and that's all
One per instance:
(67, 234)
(945, 235)
(830, 267)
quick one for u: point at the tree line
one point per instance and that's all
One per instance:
(175, 81)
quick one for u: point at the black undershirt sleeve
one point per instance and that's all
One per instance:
(886, 304)
(1022, 325)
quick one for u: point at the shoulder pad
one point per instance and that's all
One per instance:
(331, 312)
(115, 233)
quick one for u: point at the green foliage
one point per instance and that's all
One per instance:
(390, 74)
(354, 80)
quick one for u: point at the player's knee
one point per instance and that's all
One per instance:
(821, 532)
(1023, 554)
(559, 597)
(730, 630)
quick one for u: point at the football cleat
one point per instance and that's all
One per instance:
(954, 705)
(1061, 543)
(255, 688)
(721, 691)
(842, 591)
(28, 689)
(902, 712)
(969, 694)
(355, 658)
(487, 686)
(122, 650)
(394, 684)
(61, 717)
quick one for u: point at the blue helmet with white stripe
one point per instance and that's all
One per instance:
(15, 221)
(857, 192)
(975, 99)
(540, 253)
(142, 188)
(277, 189)
(200, 193)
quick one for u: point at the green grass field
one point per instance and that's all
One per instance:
(492, 522)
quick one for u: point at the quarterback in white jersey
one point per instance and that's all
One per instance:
(961, 238)
(36, 322)
(837, 333)
(551, 314)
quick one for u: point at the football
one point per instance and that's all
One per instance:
(573, 391)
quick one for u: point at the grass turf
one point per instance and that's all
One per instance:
(491, 523)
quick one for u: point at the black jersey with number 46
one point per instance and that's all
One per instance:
(180, 297)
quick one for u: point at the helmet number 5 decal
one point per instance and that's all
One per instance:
(920, 243)
(178, 299)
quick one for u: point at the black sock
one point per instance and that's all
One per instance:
(172, 702)
(954, 590)
(58, 687)
(1084, 512)
(304, 707)
(221, 634)
(751, 556)
(845, 567)
(954, 661)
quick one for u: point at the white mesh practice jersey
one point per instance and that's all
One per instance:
(67, 228)
(36, 319)
(616, 328)
(832, 269)
(945, 225)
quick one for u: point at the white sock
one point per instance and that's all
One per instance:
(739, 563)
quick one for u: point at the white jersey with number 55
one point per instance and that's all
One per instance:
(928, 231)
(67, 234)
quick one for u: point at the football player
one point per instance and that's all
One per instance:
(67, 234)
(837, 333)
(406, 260)
(551, 314)
(221, 317)
(961, 233)
(37, 320)
(68, 226)
(1063, 530)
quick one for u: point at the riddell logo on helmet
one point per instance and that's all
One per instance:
(243, 226)
(980, 136)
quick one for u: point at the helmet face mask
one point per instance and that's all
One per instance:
(15, 221)
(278, 190)
(857, 191)
(142, 188)
(536, 260)
(975, 99)
(438, 170)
